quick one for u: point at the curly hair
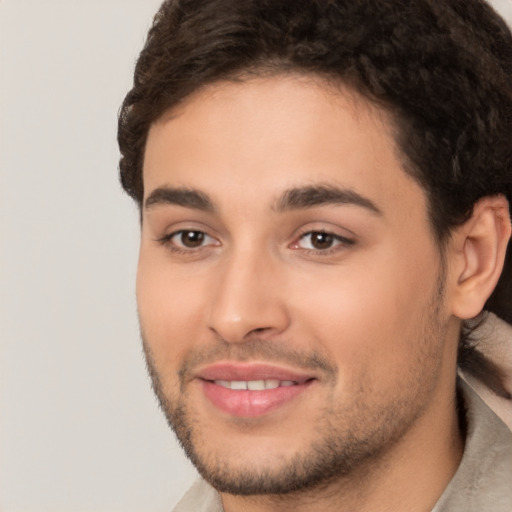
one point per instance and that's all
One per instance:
(442, 69)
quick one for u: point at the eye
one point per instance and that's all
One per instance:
(188, 239)
(321, 241)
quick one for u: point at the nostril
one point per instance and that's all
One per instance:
(259, 332)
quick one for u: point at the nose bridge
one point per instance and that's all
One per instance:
(246, 299)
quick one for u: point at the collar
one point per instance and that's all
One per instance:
(483, 480)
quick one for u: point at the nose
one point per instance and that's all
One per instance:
(249, 299)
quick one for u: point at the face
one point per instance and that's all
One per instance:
(289, 285)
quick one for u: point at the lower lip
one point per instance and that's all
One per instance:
(250, 404)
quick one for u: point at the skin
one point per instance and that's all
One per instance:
(375, 306)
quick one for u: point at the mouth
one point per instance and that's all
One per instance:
(250, 390)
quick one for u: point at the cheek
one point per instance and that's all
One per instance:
(373, 320)
(169, 309)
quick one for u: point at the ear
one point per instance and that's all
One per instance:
(479, 248)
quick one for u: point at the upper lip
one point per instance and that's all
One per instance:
(236, 371)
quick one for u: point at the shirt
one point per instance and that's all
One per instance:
(482, 482)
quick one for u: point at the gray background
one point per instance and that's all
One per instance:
(80, 430)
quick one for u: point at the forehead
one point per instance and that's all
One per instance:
(269, 134)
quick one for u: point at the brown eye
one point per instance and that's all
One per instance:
(188, 241)
(191, 239)
(321, 240)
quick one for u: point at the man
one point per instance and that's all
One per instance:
(325, 189)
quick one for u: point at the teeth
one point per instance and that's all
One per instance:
(254, 385)
(271, 384)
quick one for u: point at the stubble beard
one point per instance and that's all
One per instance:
(350, 439)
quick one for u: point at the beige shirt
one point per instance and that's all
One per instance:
(482, 483)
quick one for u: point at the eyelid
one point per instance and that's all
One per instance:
(342, 242)
(167, 240)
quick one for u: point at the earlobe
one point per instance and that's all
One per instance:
(480, 248)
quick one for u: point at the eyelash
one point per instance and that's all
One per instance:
(167, 241)
(340, 242)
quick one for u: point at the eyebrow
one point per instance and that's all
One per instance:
(293, 199)
(188, 198)
(318, 195)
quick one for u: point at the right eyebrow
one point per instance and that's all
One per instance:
(186, 197)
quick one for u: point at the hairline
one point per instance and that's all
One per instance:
(332, 84)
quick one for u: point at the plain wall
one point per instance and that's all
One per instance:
(80, 430)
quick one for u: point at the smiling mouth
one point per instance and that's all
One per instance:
(241, 389)
(253, 398)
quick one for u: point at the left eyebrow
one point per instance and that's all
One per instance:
(318, 195)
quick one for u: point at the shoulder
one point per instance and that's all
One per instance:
(201, 497)
(482, 481)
